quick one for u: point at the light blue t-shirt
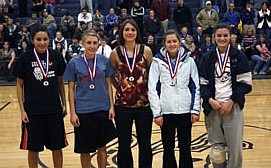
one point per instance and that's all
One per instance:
(89, 100)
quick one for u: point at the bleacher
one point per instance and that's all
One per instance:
(73, 6)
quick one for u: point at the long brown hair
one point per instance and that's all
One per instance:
(133, 23)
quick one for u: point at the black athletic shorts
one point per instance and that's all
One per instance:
(95, 131)
(43, 130)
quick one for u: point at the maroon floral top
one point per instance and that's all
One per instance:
(131, 90)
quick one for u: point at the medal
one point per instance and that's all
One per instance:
(173, 68)
(131, 68)
(131, 79)
(44, 70)
(222, 62)
(91, 86)
(91, 72)
(172, 82)
(45, 83)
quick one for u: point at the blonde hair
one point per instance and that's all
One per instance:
(90, 32)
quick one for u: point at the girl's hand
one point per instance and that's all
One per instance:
(215, 105)
(194, 118)
(159, 121)
(111, 113)
(24, 117)
(74, 120)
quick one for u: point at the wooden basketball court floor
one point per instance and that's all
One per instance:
(256, 144)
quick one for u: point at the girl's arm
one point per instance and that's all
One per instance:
(73, 118)
(110, 94)
(62, 95)
(20, 85)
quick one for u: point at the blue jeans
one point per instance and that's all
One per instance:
(261, 64)
(50, 8)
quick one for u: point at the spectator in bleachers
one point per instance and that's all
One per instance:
(97, 28)
(137, 13)
(60, 39)
(99, 18)
(3, 34)
(60, 49)
(232, 18)
(124, 15)
(234, 42)
(74, 48)
(150, 43)
(113, 36)
(198, 37)
(80, 30)
(50, 23)
(22, 48)
(207, 45)
(12, 32)
(152, 26)
(86, 17)
(262, 65)
(190, 46)
(23, 35)
(6, 7)
(248, 42)
(264, 21)
(183, 34)
(162, 10)
(207, 18)
(67, 25)
(38, 6)
(182, 17)
(104, 49)
(34, 19)
(111, 19)
(247, 17)
(7, 58)
(265, 52)
(49, 5)
(87, 4)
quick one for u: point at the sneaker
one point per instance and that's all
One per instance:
(262, 73)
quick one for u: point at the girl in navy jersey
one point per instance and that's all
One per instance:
(225, 78)
(41, 98)
(91, 101)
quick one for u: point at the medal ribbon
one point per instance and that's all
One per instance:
(172, 71)
(131, 69)
(222, 62)
(44, 70)
(91, 72)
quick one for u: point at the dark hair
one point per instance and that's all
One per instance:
(133, 23)
(222, 26)
(263, 4)
(38, 28)
(169, 32)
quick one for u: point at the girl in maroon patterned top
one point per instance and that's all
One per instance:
(132, 60)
